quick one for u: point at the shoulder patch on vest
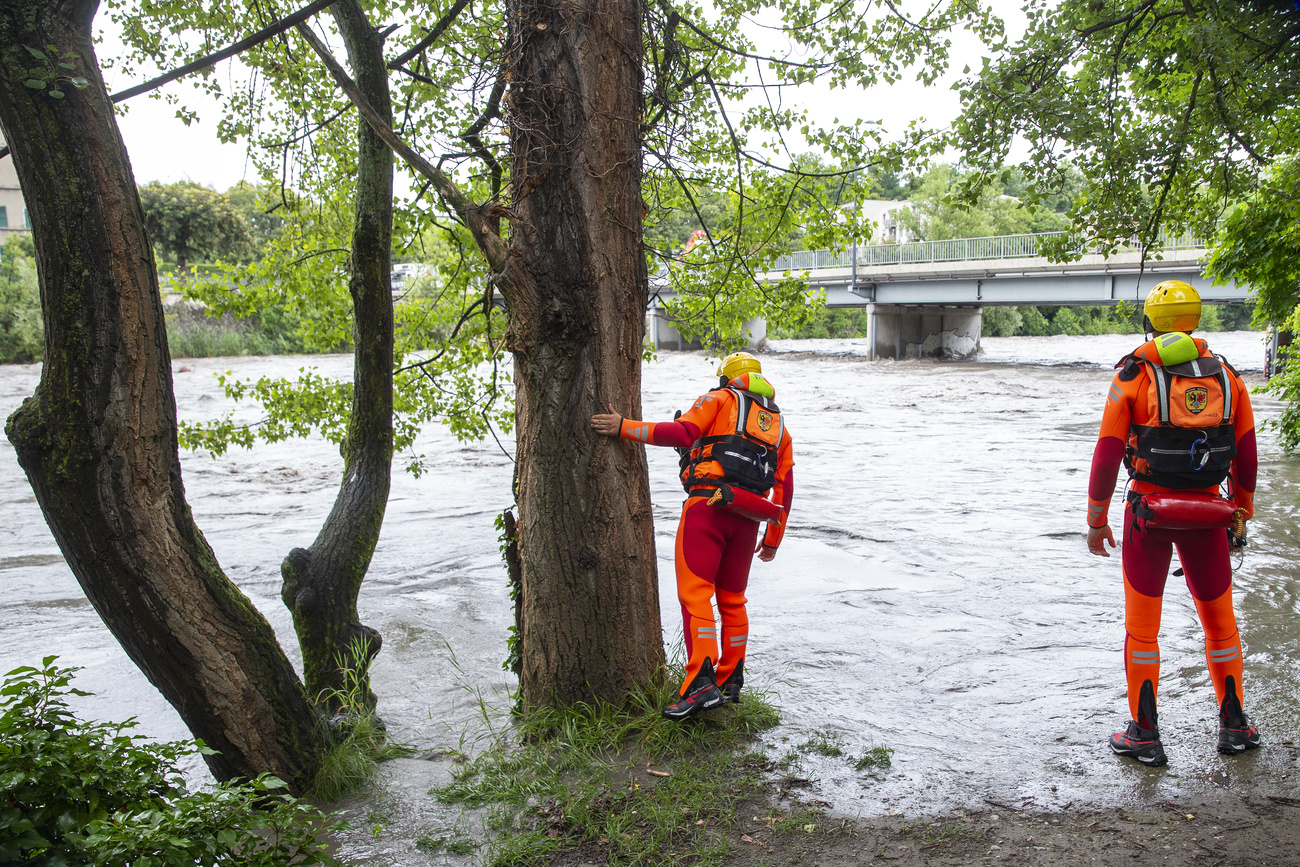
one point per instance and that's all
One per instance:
(1130, 368)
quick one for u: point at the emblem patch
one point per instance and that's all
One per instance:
(764, 421)
(1196, 399)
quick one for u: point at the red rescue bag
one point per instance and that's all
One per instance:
(1183, 511)
(745, 503)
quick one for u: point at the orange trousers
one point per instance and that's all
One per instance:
(714, 551)
(1205, 558)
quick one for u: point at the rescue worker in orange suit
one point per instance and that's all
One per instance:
(737, 468)
(1180, 420)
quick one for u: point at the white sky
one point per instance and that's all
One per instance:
(162, 148)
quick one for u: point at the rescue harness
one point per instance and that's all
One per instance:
(745, 458)
(1193, 443)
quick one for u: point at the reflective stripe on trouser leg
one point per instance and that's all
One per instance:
(1141, 650)
(735, 631)
(1222, 643)
(698, 625)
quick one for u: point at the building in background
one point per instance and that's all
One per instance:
(13, 209)
(885, 214)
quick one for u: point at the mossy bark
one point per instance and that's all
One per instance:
(98, 438)
(321, 583)
(576, 288)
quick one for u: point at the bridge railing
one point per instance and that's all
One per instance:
(954, 250)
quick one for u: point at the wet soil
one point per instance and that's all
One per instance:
(1224, 831)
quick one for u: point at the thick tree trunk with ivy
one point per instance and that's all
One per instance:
(577, 291)
(321, 583)
(98, 438)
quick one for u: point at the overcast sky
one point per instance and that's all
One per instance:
(162, 148)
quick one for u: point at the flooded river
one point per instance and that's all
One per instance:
(934, 594)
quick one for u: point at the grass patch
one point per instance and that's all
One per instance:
(943, 833)
(191, 334)
(431, 845)
(823, 744)
(359, 742)
(876, 757)
(618, 784)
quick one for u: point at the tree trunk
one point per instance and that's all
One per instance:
(321, 583)
(577, 293)
(98, 438)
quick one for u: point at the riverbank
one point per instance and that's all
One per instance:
(933, 596)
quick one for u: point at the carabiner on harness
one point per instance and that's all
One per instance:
(1202, 447)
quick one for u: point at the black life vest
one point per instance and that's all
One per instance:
(745, 457)
(1193, 442)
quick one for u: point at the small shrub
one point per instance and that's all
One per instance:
(74, 792)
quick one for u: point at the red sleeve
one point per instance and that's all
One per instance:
(678, 434)
(782, 491)
(1244, 473)
(1106, 458)
(1109, 451)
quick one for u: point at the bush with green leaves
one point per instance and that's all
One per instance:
(21, 330)
(90, 793)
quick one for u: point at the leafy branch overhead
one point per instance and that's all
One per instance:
(725, 152)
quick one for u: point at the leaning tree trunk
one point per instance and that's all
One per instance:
(577, 292)
(98, 438)
(321, 583)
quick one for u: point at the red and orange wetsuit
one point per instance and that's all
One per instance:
(1146, 555)
(714, 546)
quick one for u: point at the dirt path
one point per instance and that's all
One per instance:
(1228, 831)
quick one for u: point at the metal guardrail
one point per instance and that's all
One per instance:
(954, 250)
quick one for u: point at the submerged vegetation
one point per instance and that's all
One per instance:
(359, 741)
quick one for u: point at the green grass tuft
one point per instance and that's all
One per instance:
(359, 740)
(613, 784)
(876, 757)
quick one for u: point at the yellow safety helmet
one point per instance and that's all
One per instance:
(737, 363)
(1172, 306)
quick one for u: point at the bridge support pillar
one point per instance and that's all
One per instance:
(660, 331)
(901, 332)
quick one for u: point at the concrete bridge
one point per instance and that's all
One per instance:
(926, 298)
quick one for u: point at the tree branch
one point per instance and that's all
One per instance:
(471, 135)
(432, 37)
(216, 57)
(242, 45)
(476, 217)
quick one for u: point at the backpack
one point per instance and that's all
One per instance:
(1192, 442)
(745, 458)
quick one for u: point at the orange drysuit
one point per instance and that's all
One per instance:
(1146, 554)
(715, 546)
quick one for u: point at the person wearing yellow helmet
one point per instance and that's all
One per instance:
(737, 466)
(1171, 305)
(1179, 418)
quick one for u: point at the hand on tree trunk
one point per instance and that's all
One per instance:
(609, 424)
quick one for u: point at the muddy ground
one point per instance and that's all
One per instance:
(1230, 832)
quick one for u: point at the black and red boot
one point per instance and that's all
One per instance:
(1236, 733)
(1141, 740)
(731, 686)
(702, 694)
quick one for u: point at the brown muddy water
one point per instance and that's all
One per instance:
(934, 594)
